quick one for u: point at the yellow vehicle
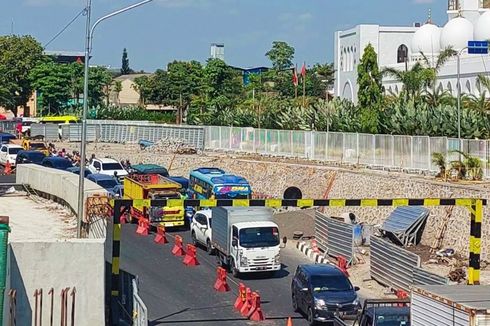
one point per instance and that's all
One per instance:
(65, 119)
(32, 144)
(154, 186)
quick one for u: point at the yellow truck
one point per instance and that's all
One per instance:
(154, 186)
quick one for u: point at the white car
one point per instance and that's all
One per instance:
(107, 166)
(201, 229)
(8, 152)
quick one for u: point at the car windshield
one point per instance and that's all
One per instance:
(337, 283)
(107, 184)
(259, 237)
(35, 157)
(37, 146)
(14, 150)
(112, 166)
(393, 320)
(62, 164)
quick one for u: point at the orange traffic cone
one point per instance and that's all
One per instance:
(290, 322)
(8, 168)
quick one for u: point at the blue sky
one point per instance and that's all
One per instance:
(164, 30)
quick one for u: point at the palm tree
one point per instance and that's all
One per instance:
(479, 103)
(414, 81)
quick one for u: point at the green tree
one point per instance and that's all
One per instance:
(281, 55)
(50, 80)
(117, 88)
(370, 93)
(99, 80)
(184, 82)
(125, 70)
(18, 56)
(414, 81)
(222, 84)
(76, 81)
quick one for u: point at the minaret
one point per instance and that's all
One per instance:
(468, 9)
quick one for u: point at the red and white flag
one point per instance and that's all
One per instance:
(295, 77)
(303, 70)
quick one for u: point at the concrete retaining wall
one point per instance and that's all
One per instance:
(58, 265)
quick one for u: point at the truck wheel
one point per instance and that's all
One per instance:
(209, 247)
(194, 239)
(233, 269)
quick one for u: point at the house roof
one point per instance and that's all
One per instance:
(131, 76)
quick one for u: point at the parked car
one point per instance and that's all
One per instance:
(8, 152)
(5, 138)
(201, 229)
(56, 162)
(107, 166)
(322, 292)
(107, 182)
(76, 170)
(34, 157)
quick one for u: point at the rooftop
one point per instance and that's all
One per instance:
(470, 296)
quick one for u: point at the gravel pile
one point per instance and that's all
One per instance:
(171, 146)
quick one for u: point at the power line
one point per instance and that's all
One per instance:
(64, 28)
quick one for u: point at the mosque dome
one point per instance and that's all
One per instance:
(482, 27)
(456, 33)
(426, 39)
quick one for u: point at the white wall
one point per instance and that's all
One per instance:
(45, 265)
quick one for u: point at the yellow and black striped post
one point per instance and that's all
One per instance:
(475, 206)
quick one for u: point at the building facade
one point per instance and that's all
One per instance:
(401, 48)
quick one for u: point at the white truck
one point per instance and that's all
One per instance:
(246, 239)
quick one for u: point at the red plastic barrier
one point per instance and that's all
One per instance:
(241, 298)
(190, 258)
(247, 304)
(143, 226)
(178, 249)
(160, 237)
(255, 312)
(221, 284)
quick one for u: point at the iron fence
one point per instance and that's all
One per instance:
(140, 312)
(334, 237)
(409, 153)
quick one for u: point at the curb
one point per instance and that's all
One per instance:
(305, 249)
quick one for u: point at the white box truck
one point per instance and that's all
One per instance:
(450, 305)
(246, 239)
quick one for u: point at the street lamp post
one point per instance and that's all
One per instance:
(89, 33)
(458, 85)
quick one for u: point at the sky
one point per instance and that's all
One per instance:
(167, 30)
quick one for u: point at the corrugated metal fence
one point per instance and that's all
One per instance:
(334, 237)
(51, 132)
(397, 267)
(8, 126)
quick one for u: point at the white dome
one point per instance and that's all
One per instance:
(482, 27)
(457, 33)
(426, 39)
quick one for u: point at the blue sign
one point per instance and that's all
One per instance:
(478, 47)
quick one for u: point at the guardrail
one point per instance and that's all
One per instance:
(334, 237)
(410, 153)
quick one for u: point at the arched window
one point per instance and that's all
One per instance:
(468, 87)
(440, 88)
(450, 88)
(396, 89)
(402, 54)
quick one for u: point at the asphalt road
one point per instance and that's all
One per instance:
(179, 295)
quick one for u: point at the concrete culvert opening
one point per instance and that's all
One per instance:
(293, 193)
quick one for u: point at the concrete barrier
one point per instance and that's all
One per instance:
(61, 185)
(58, 265)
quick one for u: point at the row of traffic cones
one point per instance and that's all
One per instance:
(248, 303)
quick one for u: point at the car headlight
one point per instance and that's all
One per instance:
(243, 261)
(356, 302)
(320, 304)
(277, 259)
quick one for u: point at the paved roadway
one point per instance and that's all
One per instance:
(179, 295)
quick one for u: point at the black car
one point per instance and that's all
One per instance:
(34, 157)
(59, 163)
(322, 292)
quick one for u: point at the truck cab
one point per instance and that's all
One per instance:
(246, 239)
(384, 312)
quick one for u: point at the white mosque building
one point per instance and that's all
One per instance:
(400, 48)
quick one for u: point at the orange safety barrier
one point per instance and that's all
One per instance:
(221, 285)
(342, 264)
(241, 298)
(245, 309)
(143, 226)
(400, 294)
(178, 249)
(190, 258)
(160, 237)
(8, 168)
(255, 312)
(290, 322)
(314, 246)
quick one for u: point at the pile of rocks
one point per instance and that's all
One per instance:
(171, 146)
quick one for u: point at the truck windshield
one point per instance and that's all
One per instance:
(392, 321)
(111, 166)
(259, 237)
(330, 283)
